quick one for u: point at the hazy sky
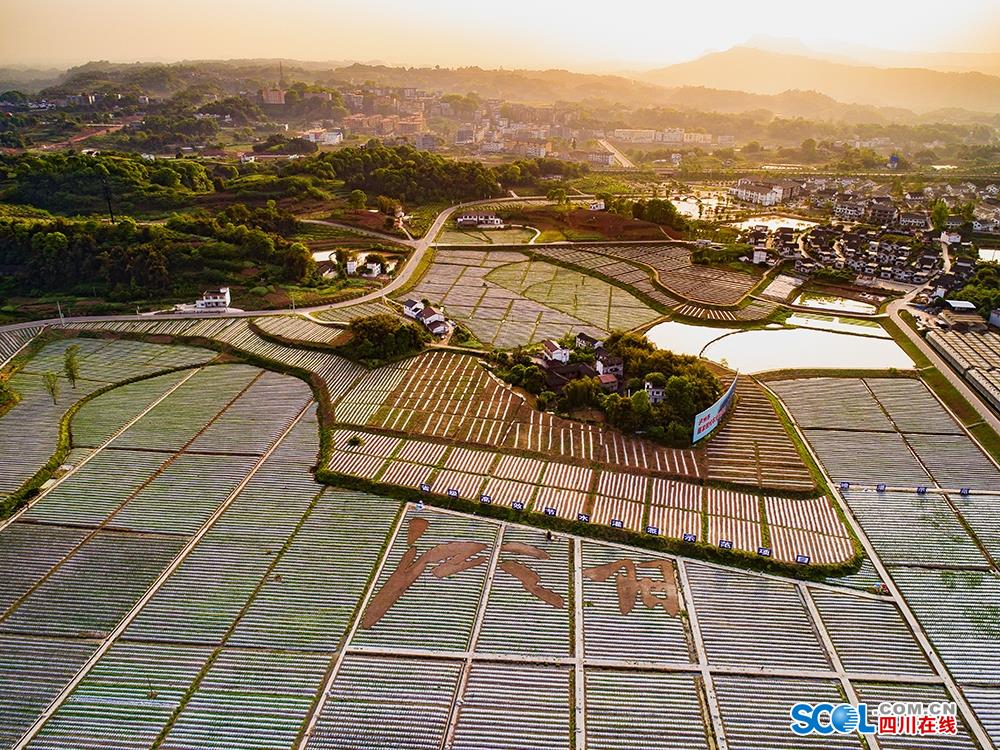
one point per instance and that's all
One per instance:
(511, 33)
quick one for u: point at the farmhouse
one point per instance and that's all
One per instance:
(609, 364)
(479, 220)
(214, 300)
(552, 352)
(428, 315)
(412, 308)
(656, 390)
(960, 315)
(583, 341)
(608, 382)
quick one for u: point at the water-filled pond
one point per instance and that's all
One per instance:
(774, 222)
(834, 304)
(780, 348)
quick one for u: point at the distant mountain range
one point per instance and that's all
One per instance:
(788, 80)
(766, 72)
(852, 54)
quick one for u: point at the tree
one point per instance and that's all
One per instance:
(581, 393)
(386, 205)
(939, 215)
(357, 199)
(380, 337)
(51, 381)
(298, 263)
(71, 364)
(558, 195)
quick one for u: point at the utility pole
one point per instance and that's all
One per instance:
(107, 197)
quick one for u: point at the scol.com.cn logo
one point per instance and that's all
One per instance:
(888, 717)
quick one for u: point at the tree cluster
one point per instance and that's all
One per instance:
(983, 289)
(409, 175)
(79, 183)
(127, 261)
(379, 338)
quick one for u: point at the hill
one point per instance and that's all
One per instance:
(765, 72)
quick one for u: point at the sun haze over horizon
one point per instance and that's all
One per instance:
(585, 36)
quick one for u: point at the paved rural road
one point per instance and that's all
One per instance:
(622, 159)
(895, 308)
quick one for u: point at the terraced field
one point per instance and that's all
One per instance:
(663, 292)
(799, 528)
(676, 272)
(188, 584)
(753, 447)
(451, 396)
(461, 281)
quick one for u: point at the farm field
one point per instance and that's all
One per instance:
(462, 282)
(337, 373)
(620, 271)
(510, 236)
(675, 271)
(344, 315)
(591, 300)
(938, 544)
(299, 604)
(191, 585)
(38, 414)
(914, 441)
(411, 663)
(975, 355)
(781, 287)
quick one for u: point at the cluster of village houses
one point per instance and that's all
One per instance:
(864, 200)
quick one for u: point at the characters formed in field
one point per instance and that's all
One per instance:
(451, 558)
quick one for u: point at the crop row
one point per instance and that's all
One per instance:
(12, 340)
(917, 529)
(808, 527)
(753, 446)
(38, 414)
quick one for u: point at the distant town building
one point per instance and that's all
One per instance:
(912, 220)
(272, 96)
(631, 135)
